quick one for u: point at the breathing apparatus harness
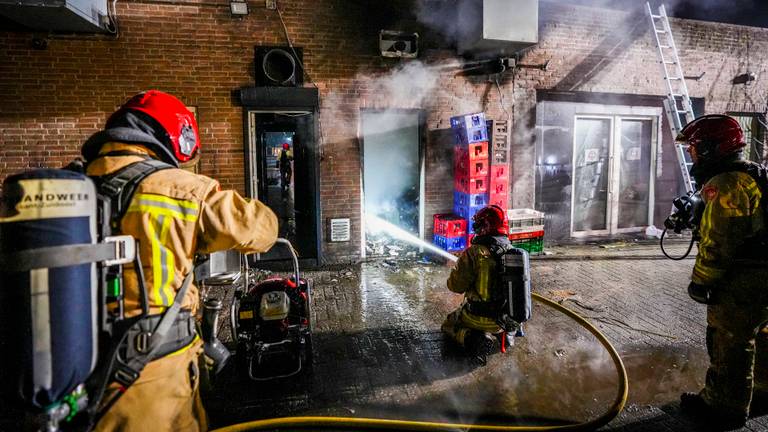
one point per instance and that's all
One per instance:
(690, 207)
(125, 344)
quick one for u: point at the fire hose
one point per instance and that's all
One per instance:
(292, 423)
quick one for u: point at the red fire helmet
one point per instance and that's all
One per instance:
(286, 146)
(713, 136)
(489, 220)
(183, 138)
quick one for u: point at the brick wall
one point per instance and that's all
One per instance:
(54, 99)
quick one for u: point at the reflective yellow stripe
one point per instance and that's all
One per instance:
(164, 199)
(161, 210)
(168, 268)
(184, 349)
(157, 275)
(478, 322)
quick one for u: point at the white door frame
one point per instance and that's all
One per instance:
(612, 198)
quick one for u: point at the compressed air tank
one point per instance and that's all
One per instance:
(517, 282)
(48, 316)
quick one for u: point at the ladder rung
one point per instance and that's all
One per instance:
(660, 31)
(670, 62)
(665, 46)
(674, 78)
(656, 16)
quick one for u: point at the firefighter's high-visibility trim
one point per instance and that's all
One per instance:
(353, 423)
(478, 322)
(167, 266)
(183, 349)
(162, 210)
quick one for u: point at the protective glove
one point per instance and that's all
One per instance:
(701, 293)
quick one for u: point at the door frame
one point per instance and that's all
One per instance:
(252, 160)
(422, 134)
(612, 201)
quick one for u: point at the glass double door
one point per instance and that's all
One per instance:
(612, 174)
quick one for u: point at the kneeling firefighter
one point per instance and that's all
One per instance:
(149, 370)
(494, 277)
(731, 270)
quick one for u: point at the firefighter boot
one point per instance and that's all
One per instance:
(480, 345)
(694, 405)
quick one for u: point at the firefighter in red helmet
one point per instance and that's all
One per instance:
(730, 271)
(173, 214)
(472, 326)
(284, 161)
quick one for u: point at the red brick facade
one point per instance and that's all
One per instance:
(53, 99)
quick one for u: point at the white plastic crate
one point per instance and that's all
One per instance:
(527, 228)
(524, 218)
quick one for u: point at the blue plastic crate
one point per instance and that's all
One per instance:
(468, 121)
(466, 205)
(469, 128)
(454, 244)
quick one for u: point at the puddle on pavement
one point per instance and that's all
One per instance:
(381, 353)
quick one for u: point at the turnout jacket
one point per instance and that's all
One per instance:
(475, 276)
(731, 225)
(175, 214)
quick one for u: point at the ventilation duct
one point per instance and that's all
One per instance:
(492, 28)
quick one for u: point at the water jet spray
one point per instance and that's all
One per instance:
(376, 224)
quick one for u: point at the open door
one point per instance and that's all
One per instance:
(283, 175)
(393, 171)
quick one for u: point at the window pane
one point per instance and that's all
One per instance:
(634, 155)
(592, 142)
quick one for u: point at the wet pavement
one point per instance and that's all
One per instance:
(378, 350)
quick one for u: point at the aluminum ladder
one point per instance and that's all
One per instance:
(677, 105)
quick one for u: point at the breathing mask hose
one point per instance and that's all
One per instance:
(212, 346)
(685, 255)
(352, 423)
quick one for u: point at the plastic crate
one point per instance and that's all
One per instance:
(465, 137)
(526, 235)
(468, 121)
(450, 225)
(532, 245)
(471, 152)
(531, 228)
(467, 212)
(471, 185)
(500, 200)
(461, 199)
(498, 188)
(499, 173)
(524, 218)
(449, 244)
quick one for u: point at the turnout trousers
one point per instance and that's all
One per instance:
(737, 340)
(166, 397)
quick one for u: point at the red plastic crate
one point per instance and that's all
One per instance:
(478, 168)
(526, 235)
(499, 173)
(478, 151)
(450, 225)
(470, 185)
(498, 188)
(460, 167)
(500, 200)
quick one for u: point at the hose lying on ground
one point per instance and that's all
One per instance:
(292, 423)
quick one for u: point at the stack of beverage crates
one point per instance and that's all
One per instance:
(526, 229)
(450, 232)
(470, 166)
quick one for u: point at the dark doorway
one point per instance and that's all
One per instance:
(283, 175)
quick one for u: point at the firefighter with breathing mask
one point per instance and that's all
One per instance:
(173, 214)
(474, 325)
(731, 271)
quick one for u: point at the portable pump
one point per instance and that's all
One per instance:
(61, 301)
